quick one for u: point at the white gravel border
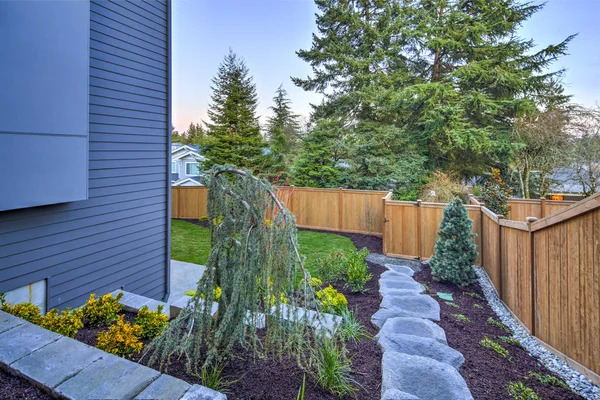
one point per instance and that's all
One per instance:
(577, 381)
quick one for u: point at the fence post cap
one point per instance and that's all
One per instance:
(531, 219)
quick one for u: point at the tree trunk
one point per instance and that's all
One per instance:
(526, 174)
(435, 75)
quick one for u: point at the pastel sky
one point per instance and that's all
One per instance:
(266, 33)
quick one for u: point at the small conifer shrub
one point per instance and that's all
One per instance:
(121, 339)
(357, 274)
(455, 250)
(496, 194)
(102, 310)
(66, 322)
(152, 322)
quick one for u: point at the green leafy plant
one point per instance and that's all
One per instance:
(498, 324)
(331, 300)
(549, 380)
(216, 293)
(300, 395)
(494, 346)
(451, 304)
(357, 275)
(152, 322)
(27, 311)
(510, 340)
(315, 283)
(455, 250)
(121, 339)
(518, 391)
(333, 367)
(474, 295)
(351, 329)
(461, 317)
(66, 322)
(496, 194)
(426, 286)
(212, 378)
(332, 267)
(203, 218)
(478, 306)
(102, 310)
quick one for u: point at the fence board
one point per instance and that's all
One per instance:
(401, 226)
(491, 255)
(362, 211)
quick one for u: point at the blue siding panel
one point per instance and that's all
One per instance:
(119, 236)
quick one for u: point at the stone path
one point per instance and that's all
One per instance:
(417, 361)
(70, 369)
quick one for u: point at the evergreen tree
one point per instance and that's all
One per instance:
(452, 74)
(322, 151)
(455, 250)
(176, 137)
(194, 134)
(233, 135)
(283, 126)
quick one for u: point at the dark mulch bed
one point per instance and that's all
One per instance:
(12, 387)
(266, 379)
(487, 373)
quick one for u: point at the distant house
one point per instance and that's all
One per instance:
(185, 165)
(85, 99)
(567, 182)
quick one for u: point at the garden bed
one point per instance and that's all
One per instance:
(12, 387)
(266, 379)
(486, 372)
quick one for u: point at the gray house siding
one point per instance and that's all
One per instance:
(119, 237)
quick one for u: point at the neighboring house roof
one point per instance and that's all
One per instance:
(185, 151)
(190, 181)
(565, 180)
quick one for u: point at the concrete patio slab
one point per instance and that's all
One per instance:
(110, 377)
(22, 340)
(198, 392)
(8, 322)
(180, 304)
(165, 387)
(184, 277)
(55, 363)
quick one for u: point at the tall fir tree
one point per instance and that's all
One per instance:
(455, 252)
(453, 74)
(233, 134)
(323, 148)
(283, 130)
(194, 134)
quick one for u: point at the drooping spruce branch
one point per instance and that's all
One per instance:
(254, 260)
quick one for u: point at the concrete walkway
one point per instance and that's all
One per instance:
(417, 361)
(70, 369)
(184, 277)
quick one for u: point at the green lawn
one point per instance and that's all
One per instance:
(191, 243)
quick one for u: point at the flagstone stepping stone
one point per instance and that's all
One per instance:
(55, 363)
(421, 346)
(22, 340)
(423, 377)
(108, 378)
(399, 284)
(402, 269)
(419, 305)
(390, 277)
(165, 387)
(394, 394)
(412, 326)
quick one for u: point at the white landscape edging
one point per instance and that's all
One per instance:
(576, 380)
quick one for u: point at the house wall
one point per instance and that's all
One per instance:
(119, 237)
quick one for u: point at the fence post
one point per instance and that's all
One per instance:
(543, 212)
(419, 222)
(531, 220)
(341, 211)
(383, 213)
(481, 233)
(501, 273)
(292, 199)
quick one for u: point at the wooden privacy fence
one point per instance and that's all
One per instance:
(520, 209)
(342, 210)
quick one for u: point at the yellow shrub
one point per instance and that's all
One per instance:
(216, 293)
(66, 323)
(103, 310)
(27, 311)
(121, 339)
(332, 300)
(152, 322)
(315, 283)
